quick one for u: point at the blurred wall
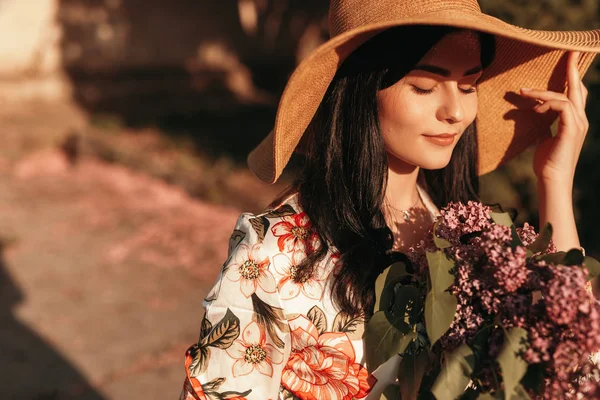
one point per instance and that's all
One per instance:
(30, 53)
(184, 55)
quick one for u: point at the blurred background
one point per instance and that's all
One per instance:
(125, 126)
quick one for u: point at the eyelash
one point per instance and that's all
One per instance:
(423, 91)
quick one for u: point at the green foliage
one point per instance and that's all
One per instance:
(511, 362)
(440, 305)
(455, 375)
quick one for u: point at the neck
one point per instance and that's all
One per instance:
(401, 191)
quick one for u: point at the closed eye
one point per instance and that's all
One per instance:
(418, 90)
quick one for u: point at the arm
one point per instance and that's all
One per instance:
(556, 157)
(244, 337)
(556, 207)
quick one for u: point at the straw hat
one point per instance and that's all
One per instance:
(524, 58)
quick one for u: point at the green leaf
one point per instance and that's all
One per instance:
(573, 257)
(236, 238)
(480, 344)
(200, 354)
(282, 211)
(260, 225)
(205, 328)
(383, 340)
(440, 309)
(439, 242)
(352, 326)
(235, 395)
(439, 270)
(213, 385)
(224, 332)
(407, 307)
(410, 374)
(593, 267)
(318, 318)
(270, 317)
(395, 270)
(534, 377)
(520, 393)
(470, 394)
(455, 374)
(511, 363)
(543, 240)
(440, 306)
(515, 240)
(552, 258)
(502, 218)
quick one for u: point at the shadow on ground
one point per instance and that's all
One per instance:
(29, 366)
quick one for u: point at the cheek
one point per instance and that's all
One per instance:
(400, 118)
(471, 107)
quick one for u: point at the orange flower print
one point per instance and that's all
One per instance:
(192, 385)
(251, 270)
(253, 352)
(323, 366)
(292, 283)
(293, 232)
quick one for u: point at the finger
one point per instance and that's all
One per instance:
(564, 109)
(584, 92)
(543, 95)
(574, 80)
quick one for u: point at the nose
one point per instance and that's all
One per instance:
(452, 109)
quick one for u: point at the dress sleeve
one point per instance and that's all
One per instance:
(244, 337)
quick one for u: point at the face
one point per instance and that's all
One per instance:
(439, 96)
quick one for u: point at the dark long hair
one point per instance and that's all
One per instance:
(342, 183)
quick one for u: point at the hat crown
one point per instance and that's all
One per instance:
(345, 15)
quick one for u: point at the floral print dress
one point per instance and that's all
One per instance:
(269, 333)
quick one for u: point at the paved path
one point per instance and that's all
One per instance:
(102, 275)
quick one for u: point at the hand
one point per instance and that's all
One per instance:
(556, 157)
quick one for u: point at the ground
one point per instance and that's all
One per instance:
(104, 266)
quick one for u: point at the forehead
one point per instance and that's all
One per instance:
(459, 50)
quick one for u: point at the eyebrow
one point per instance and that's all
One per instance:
(443, 71)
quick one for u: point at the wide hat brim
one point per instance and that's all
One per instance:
(506, 125)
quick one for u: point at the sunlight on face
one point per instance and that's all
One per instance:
(439, 96)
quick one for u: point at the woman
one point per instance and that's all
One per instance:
(385, 113)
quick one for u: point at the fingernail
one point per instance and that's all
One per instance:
(526, 89)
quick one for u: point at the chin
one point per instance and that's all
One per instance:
(435, 163)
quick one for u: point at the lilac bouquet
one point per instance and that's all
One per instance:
(485, 310)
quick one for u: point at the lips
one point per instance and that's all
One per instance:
(444, 139)
(443, 135)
